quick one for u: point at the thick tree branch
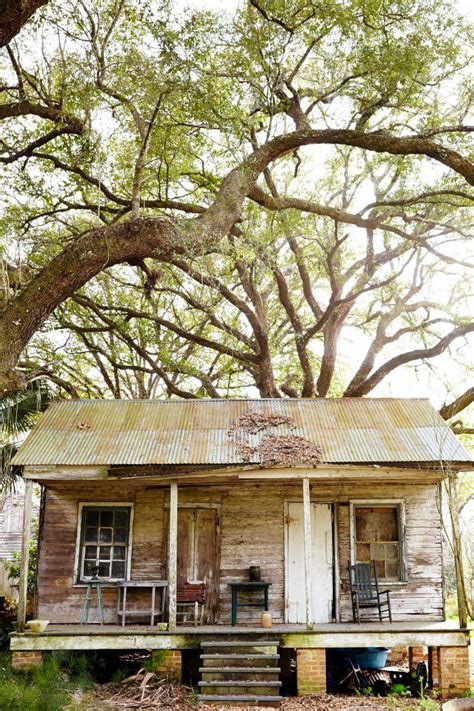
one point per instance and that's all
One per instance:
(419, 354)
(13, 15)
(457, 405)
(161, 239)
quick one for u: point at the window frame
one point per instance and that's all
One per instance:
(400, 505)
(79, 580)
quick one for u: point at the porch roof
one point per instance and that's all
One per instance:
(179, 432)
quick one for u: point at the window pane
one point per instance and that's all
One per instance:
(377, 538)
(363, 552)
(392, 551)
(104, 540)
(88, 565)
(121, 519)
(92, 517)
(106, 517)
(377, 551)
(104, 570)
(118, 569)
(105, 535)
(119, 552)
(380, 565)
(91, 535)
(120, 535)
(392, 569)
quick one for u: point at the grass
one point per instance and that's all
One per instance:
(45, 688)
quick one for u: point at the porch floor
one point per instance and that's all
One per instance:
(415, 632)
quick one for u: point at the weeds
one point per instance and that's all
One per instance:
(46, 687)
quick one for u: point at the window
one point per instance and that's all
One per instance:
(377, 537)
(104, 542)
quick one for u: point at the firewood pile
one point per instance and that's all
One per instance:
(273, 450)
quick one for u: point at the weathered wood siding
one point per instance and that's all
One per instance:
(11, 526)
(251, 532)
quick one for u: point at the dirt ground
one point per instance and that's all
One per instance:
(175, 698)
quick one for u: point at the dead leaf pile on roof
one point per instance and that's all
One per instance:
(273, 450)
(288, 450)
(145, 690)
(253, 422)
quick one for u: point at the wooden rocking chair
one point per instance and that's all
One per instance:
(365, 593)
(191, 594)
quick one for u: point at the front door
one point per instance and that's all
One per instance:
(322, 561)
(198, 553)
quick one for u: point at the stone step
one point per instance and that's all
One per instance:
(239, 660)
(240, 673)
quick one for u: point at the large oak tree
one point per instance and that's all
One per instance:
(242, 190)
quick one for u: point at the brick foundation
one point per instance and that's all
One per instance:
(397, 656)
(433, 667)
(167, 663)
(454, 678)
(415, 656)
(22, 661)
(310, 671)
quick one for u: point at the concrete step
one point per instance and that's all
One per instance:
(239, 660)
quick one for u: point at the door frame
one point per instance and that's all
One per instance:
(205, 505)
(335, 553)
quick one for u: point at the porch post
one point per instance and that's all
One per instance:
(25, 556)
(308, 562)
(173, 556)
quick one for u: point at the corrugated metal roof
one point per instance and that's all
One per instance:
(133, 432)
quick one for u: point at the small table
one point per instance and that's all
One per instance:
(248, 587)
(152, 585)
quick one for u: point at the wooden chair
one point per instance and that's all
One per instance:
(365, 593)
(191, 594)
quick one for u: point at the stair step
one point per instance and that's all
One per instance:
(241, 670)
(240, 649)
(240, 656)
(244, 698)
(264, 661)
(216, 676)
(233, 643)
(240, 683)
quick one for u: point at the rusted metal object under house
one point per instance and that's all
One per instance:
(184, 491)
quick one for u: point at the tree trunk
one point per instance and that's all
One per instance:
(13, 15)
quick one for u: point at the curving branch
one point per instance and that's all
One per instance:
(418, 354)
(456, 406)
(163, 239)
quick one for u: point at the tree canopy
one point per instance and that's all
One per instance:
(272, 201)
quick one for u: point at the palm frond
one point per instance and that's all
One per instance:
(18, 411)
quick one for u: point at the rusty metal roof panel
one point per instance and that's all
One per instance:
(134, 432)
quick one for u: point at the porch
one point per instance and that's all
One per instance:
(249, 660)
(415, 633)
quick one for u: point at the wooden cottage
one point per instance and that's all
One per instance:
(166, 500)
